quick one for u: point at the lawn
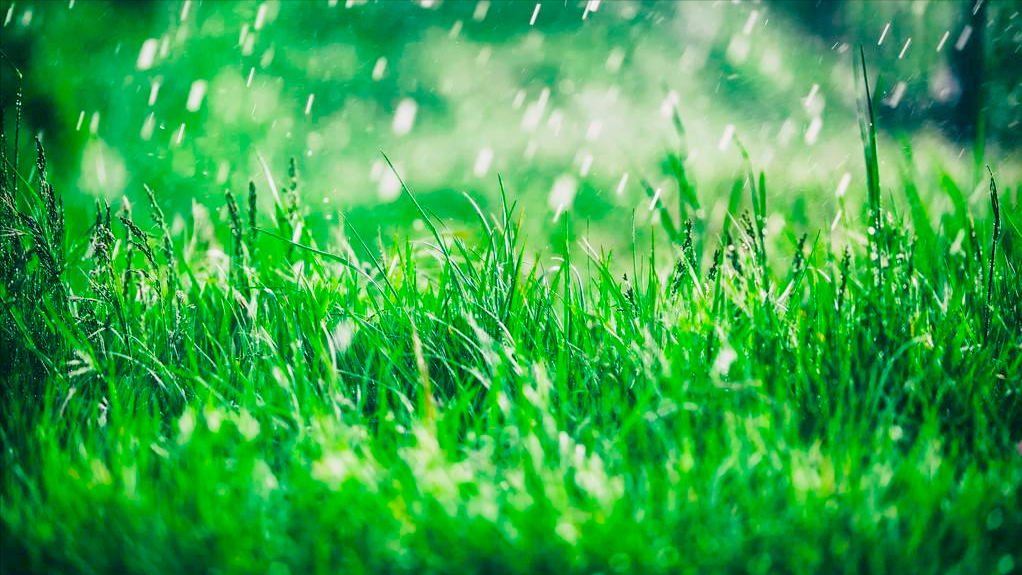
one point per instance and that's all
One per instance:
(843, 396)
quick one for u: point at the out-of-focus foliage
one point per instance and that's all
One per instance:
(563, 98)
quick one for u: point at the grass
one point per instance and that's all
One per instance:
(442, 405)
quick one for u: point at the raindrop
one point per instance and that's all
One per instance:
(147, 54)
(813, 133)
(195, 95)
(379, 68)
(260, 20)
(308, 104)
(842, 186)
(482, 7)
(81, 120)
(563, 192)
(404, 116)
(455, 29)
(905, 48)
(587, 164)
(963, 38)
(897, 94)
(943, 39)
(535, 12)
(180, 135)
(185, 7)
(883, 35)
(483, 161)
(725, 139)
(615, 60)
(94, 124)
(751, 22)
(621, 184)
(248, 81)
(148, 127)
(154, 90)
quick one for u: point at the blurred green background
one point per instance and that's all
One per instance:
(570, 101)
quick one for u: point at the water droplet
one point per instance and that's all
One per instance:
(147, 54)
(813, 132)
(725, 139)
(148, 126)
(196, 95)
(535, 13)
(963, 38)
(904, 49)
(380, 68)
(483, 161)
(621, 184)
(883, 35)
(404, 116)
(842, 186)
(308, 104)
(482, 7)
(563, 192)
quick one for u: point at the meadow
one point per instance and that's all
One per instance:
(448, 403)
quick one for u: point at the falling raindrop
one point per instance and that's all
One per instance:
(404, 117)
(883, 35)
(621, 184)
(963, 38)
(483, 161)
(813, 132)
(842, 186)
(196, 95)
(563, 192)
(379, 68)
(905, 48)
(725, 139)
(147, 54)
(482, 7)
(535, 12)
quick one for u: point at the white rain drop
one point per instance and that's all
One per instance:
(404, 117)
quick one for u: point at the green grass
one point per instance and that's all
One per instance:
(827, 400)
